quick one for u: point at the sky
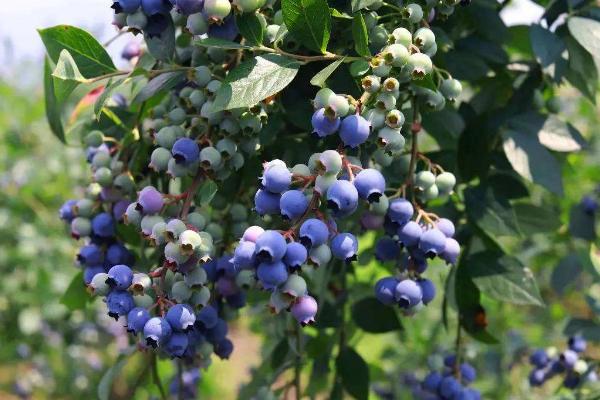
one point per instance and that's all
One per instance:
(20, 42)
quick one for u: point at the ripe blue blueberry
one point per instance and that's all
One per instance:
(266, 202)
(151, 7)
(410, 233)
(293, 204)
(119, 302)
(432, 381)
(270, 246)
(446, 226)
(539, 358)
(119, 277)
(126, 6)
(400, 211)
(207, 317)
(385, 290)
(449, 387)
(354, 130)
(103, 225)
(157, 331)
(272, 275)
(537, 377)
(176, 344)
(244, 255)
(188, 7)
(569, 358)
(467, 373)
(181, 317)
(276, 179)
(228, 30)
(324, 125)
(218, 332)
(150, 201)
(295, 255)
(432, 242)
(451, 251)
(67, 210)
(386, 249)
(370, 184)
(185, 151)
(428, 290)
(589, 204)
(90, 272)
(224, 348)
(408, 294)
(90, 255)
(344, 246)
(577, 343)
(342, 198)
(117, 253)
(313, 233)
(136, 320)
(252, 233)
(304, 310)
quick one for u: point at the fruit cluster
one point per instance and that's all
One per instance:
(570, 363)
(450, 384)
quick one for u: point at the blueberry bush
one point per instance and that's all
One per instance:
(337, 173)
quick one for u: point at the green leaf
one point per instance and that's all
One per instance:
(52, 106)
(504, 278)
(579, 73)
(221, 44)
(547, 46)
(337, 14)
(162, 47)
(75, 297)
(309, 21)
(66, 69)
(250, 28)
(254, 80)
(281, 33)
(279, 353)
(105, 385)
(587, 33)
(360, 4)
(588, 328)
(595, 257)
(535, 219)
(372, 316)
(552, 132)
(532, 161)
(89, 55)
(354, 372)
(206, 192)
(161, 83)
(491, 212)
(321, 76)
(360, 35)
(105, 95)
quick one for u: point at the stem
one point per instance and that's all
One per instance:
(298, 362)
(414, 152)
(325, 57)
(156, 378)
(190, 193)
(179, 380)
(112, 39)
(457, 347)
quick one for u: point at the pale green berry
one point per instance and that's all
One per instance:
(177, 170)
(238, 228)
(430, 193)
(245, 279)
(424, 38)
(340, 105)
(148, 222)
(173, 229)
(197, 98)
(159, 159)
(380, 68)
(378, 36)
(82, 226)
(371, 83)
(216, 231)
(202, 75)
(278, 17)
(295, 286)
(84, 208)
(382, 158)
(271, 32)
(394, 119)
(323, 182)
(301, 169)
(313, 163)
(424, 179)
(238, 212)
(197, 220)
(98, 284)
(189, 241)
(132, 216)
(168, 135)
(177, 116)
(226, 147)
(248, 6)
(395, 54)
(419, 65)
(402, 36)
(157, 237)
(101, 159)
(434, 100)
(196, 277)
(137, 20)
(376, 117)
(380, 207)
(94, 139)
(200, 297)
(391, 140)
(330, 161)
(371, 19)
(413, 12)
(445, 182)
(451, 89)
(180, 292)
(391, 85)
(385, 101)
(174, 254)
(210, 158)
(145, 301)
(431, 50)
(237, 161)
(141, 283)
(217, 9)
(279, 302)
(197, 24)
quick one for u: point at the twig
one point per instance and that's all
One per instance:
(185, 209)
(156, 378)
(112, 39)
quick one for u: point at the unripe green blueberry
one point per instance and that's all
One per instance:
(173, 229)
(553, 105)
(323, 182)
(197, 24)
(207, 111)
(301, 169)
(391, 85)
(168, 135)
(444, 10)
(250, 122)
(402, 36)
(124, 183)
(238, 212)
(445, 182)
(200, 297)
(279, 302)
(430, 193)
(84, 208)
(320, 255)
(98, 284)
(137, 20)
(339, 104)
(434, 100)
(380, 207)
(394, 119)
(180, 292)
(322, 98)
(210, 158)
(295, 286)
(238, 228)
(313, 163)
(217, 9)
(330, 161)
(371, 18)
(159, 111)
(231, 126)
(378, 36)
(93, 190)
(385, 101)
(197, 98)
(413, 13)
(245, 279)
(424, 38)
(451, 89)
(132, 216)
(144, 300)
(391, 140)
(215, 230)
(189, 241)
(424, 179)
(402, 164)
(371, 83)
(177, 116)
(202, 75)
(117, 167)
(197, 220)
(379, 67)
(431, 50)
(83, 226)
(94, 139)
(213, 86)
(157, 237)
(250, 145)
(271, 32)
(148, 222)
(382, 158)
(395, 54)
(205, 350)
(174, 254)
(376, 117)
(141, 283)
(159, 159)
(101, 159)
(248, 6)
(237, 161)
(103, 176)
(185, 92)
(226, 147)
(419, 65)
(196, 277)
(177, 170)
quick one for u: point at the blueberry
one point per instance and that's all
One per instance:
(450, 361)
(400, 211)
(67, 210)
(354, 130)
(126, 6)
(313, 232)
(218, 332)
(119, 277)
(185, 151)
(90, 272)
(119, 303)
(331, 161)
(385, 290)
(344, 246)
(181, 317)
(386, 249)
(342, 198)
(151, 7)
(467, 373)
(432, 381)
(272, 275)
(223, 349)
(131, 50)
(428, 290)
(252, 233)
(410, 233)
(270, 246)
(119, 209)
(150, 201)
(98, 284)
(228, 30)
(577, 343)
(295, 286)
(451, 251)
(117, 253)
(419, 65)
(320, 255)
(449, 387)
(569, 358)
(370, 184)
(136, 320)
(217, 9)
(103, 225)
(539, 358)
(276, 179)
(446, 227)
(176, 344)
(157, 331)
(408, 294)
(451, 89)
(305, 309)
(537, 377)
(207, 318)
(432, 242)
(90, 255)
(293, 204)
(295, 255)
(413, 13)
(324, 125)
(244, 255)
(589, 205)
(188, 7)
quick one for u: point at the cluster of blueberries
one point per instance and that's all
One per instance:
(450, 384)
(549, 363)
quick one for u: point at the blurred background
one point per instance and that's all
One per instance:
(47, 352)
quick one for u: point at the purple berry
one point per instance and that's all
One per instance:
(451, 251)
(577, 343)
(537, 377)
(539, 358)
(131, 50)
(428, 290)
(207, 318)
(150, 201)
(432, 242)
(252, 233)
(119, 277)
(432, 381)
(90, 272)
(446, 226)
(103, 225)
(90, 255)
(218, 332)
(67, 210)
(126, 6)
(223, 349)
(467, 373)
(304, 310)
(410, 233)
(354, 130)
(449, 387)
